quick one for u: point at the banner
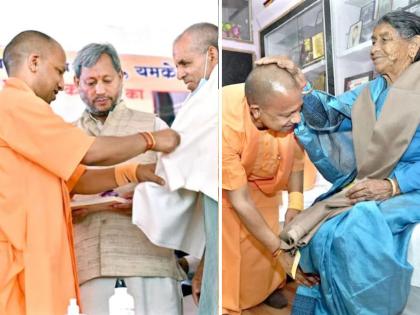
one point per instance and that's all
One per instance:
(150, 85)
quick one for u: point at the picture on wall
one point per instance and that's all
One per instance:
(354, 34)
(382, 7)
(366, 33)
(356, 80)
(318, 45)
(367, 13)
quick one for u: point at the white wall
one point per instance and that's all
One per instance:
(141, 27)
(261, 17)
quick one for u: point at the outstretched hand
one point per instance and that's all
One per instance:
(146, 173)
(286, 63)
(166, 140)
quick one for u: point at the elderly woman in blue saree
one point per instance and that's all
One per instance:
(367, 143)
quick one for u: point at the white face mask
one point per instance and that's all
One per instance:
(203, 79)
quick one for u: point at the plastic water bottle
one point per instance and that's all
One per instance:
(73, 308)
(121, 303)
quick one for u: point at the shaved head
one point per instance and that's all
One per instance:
(24, 44)
(39, 61)
(266, 80)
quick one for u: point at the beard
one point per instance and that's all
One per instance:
(101, 113)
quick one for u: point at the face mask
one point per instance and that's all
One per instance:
(203, 79)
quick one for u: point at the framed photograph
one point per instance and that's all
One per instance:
(318, 45)
(356, 80)
(382, 7)
(367, 13)
(354, 34)
(366, 33)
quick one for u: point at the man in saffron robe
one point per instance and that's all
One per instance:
(39, 165)
(260, 158)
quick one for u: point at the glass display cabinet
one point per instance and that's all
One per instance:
(302, 34)
(236, 20)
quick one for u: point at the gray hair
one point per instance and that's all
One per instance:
(88, 57)
(407, 25)
(204, 34)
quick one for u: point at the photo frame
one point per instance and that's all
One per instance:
(354, 34)
(366, 33)
(382, 7)
(367, 13)
(356, 80)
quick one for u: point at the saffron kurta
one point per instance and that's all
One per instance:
(264, 160)
(39, 152)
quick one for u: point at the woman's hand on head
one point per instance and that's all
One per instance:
(286, 63)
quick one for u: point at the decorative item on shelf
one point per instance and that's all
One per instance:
(318, 45)
(367, 13)
(306, 53)
(382, 7)
(312, 45)
(356, 80)
(231, 30)
(236, 17)
(354, 34)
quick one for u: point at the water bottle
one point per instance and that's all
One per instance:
(121, 303)
(73, 308)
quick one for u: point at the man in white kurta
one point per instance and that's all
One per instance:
(183, 214)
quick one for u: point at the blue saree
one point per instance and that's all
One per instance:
(360, 254)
